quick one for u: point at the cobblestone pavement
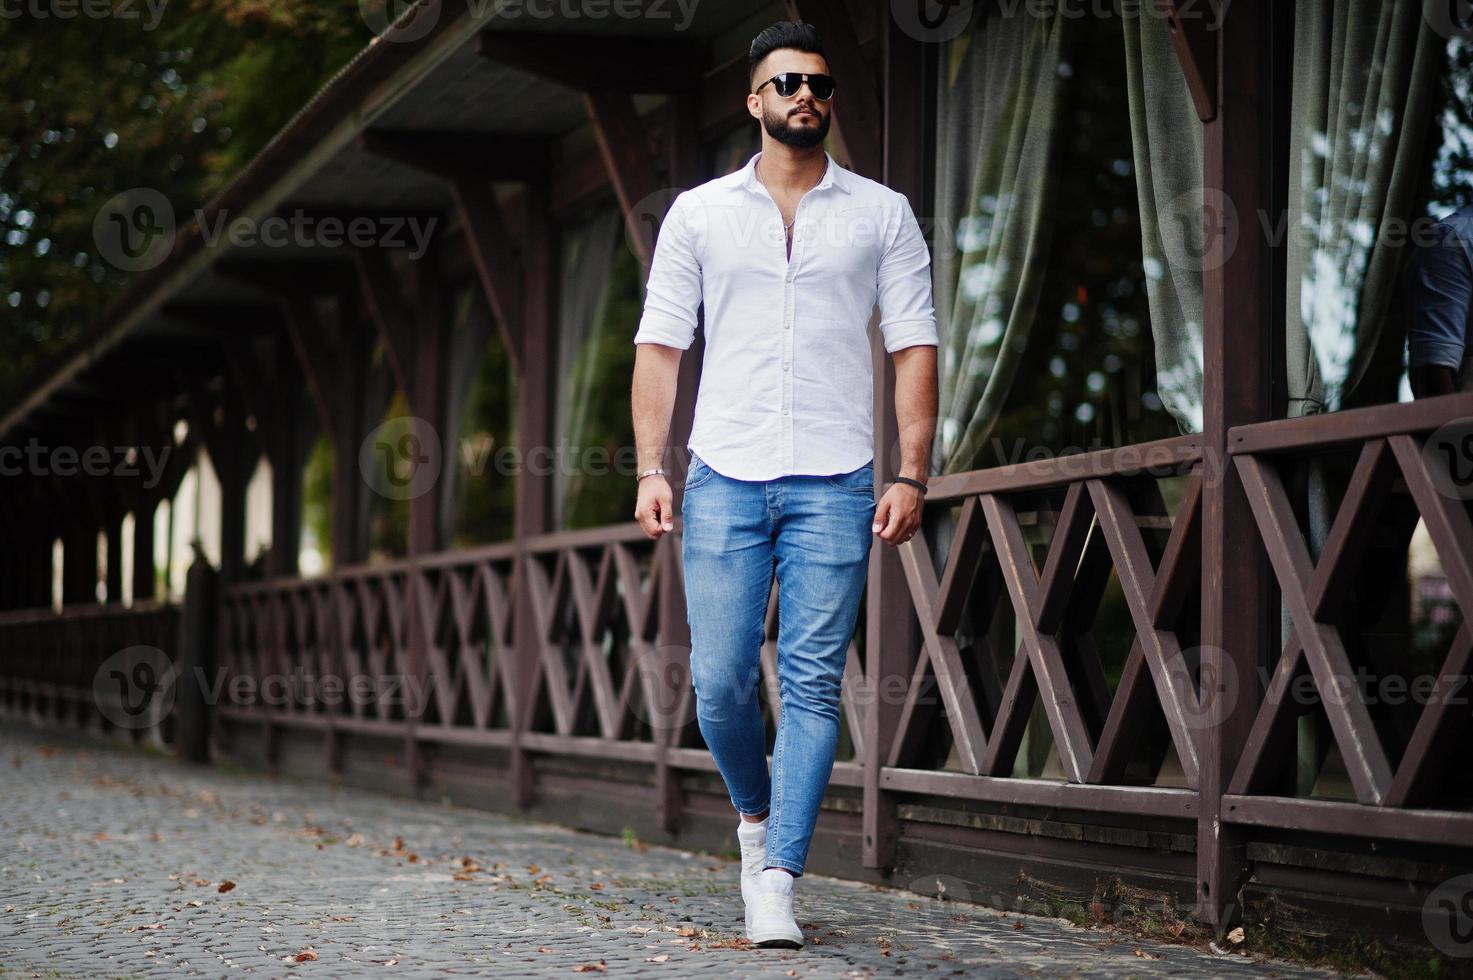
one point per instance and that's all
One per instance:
(121, 863)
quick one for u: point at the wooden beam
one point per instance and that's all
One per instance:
(595, 62)
(625, 149)
(856, 108)
(383, 298)
(451, 155)
(315, 354)
(1238, 341)
(482, 220)
(1193, 36)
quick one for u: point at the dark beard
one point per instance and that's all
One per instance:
(801, 139)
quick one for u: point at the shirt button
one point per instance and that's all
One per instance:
(785, 365)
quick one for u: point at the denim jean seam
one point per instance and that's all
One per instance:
(689, 486)
(868, 488)
(775, 817)
(787, 865)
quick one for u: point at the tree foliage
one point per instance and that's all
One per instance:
(103, 96)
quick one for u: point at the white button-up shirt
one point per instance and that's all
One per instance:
(787, 379)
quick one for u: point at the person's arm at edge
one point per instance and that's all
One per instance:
(666, 329)
(1441, 282)
(908, 325)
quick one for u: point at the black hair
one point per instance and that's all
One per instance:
(797, 35)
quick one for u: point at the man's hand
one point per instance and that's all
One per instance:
(655, 510)
(898, 513)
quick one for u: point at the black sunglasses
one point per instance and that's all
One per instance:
(788, 83)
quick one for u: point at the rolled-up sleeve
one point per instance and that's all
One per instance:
(907, 316)
(673, 291)
(1441, 287)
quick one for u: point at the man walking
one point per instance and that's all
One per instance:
(791, 254)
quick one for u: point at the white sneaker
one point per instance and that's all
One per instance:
(752, 837)
(772, 922)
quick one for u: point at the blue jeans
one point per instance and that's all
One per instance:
(814, 532)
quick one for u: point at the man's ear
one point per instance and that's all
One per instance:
(754, 105)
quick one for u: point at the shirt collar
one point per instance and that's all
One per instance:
(833, 176)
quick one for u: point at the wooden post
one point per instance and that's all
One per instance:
(144, 579)
(195, 660)
(892, 639)
(536, 391)
(1237, 294)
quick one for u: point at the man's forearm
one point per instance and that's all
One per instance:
(915, 407)
(652, 401)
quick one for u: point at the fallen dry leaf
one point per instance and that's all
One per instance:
(1236, 936)
(305, 955)
(599, 967)
(225, 886)
(657, 959)
(1018, 926)
(1145, 955)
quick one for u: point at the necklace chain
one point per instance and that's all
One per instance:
(787, 228)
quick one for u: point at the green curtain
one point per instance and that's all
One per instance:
(600, 296)
(998, 112)
(1167, 137)
(1364, 94)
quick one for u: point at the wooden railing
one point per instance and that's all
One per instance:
(1024, 691)
(1405, 775)
(64, 667)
